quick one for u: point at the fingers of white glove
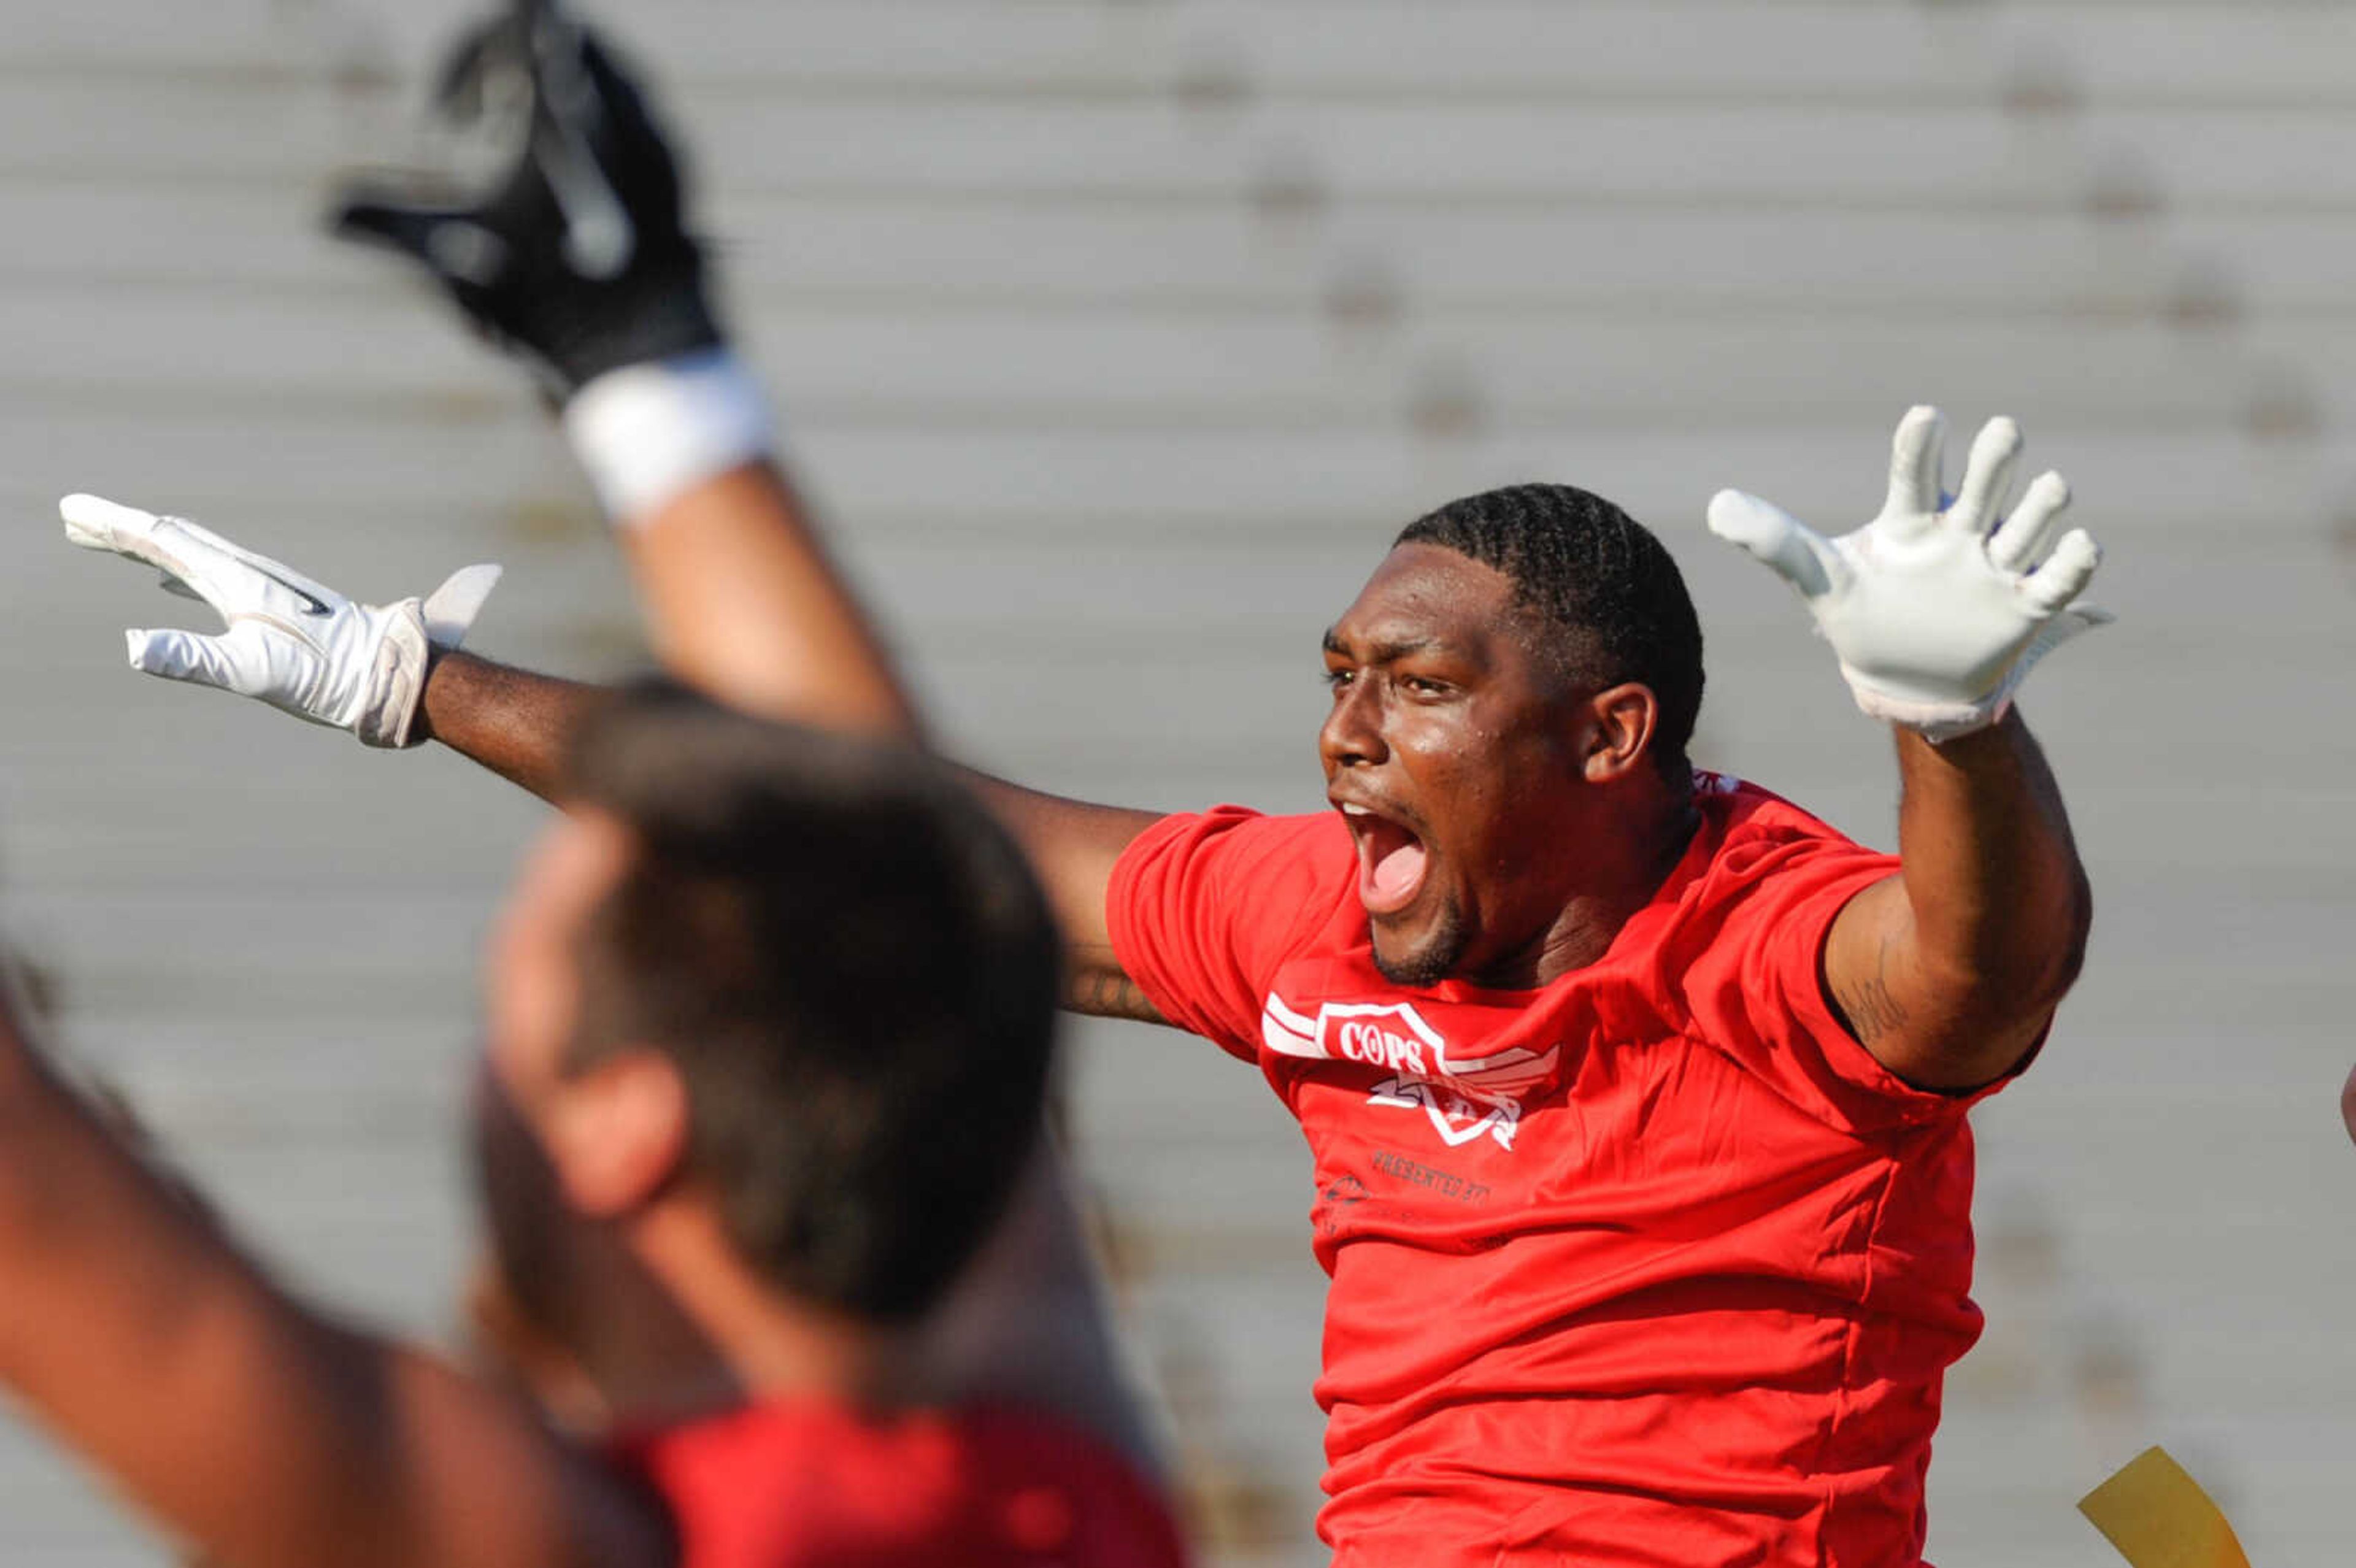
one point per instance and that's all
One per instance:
(185, 655)
(2065, 573)
(195, 564)
(95, 523)
(1988, 475)
(209, 567)
(1915, 457)
(2022, 540)
(1795, 551)
(261, 565)
(451, 609)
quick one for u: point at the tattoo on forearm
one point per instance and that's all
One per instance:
(1868, 1007)
(1110, 994)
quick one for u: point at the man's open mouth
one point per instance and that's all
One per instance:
(1391, 861)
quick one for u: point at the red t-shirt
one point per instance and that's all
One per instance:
(812, 1484)
(1654, 1264)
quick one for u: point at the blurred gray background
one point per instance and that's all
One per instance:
(1115, 337)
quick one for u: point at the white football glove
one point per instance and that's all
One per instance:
(1937, 609)
(295, 643)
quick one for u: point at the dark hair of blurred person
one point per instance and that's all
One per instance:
(844, 960)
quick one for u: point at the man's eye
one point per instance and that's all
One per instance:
(1423, 686)
(1337, 678)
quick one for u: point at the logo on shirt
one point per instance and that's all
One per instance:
(1459, 1116)
(1465, 1097)
(1393, 1036)
(1344, 1195)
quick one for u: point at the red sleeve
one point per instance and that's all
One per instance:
(1203, 909)
(1754, 978)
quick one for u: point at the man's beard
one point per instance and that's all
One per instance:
(1435, 958)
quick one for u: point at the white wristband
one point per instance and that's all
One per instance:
(648, 433)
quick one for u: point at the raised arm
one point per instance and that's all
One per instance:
(742, 599)
(514, 723)
(1950, 971)
(608, 301)
(740, 596)
(1073, 847)
(394, 675)
(262, 1433)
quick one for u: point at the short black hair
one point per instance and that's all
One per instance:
(1608, 592)
(855, 972)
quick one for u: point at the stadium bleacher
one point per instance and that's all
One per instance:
(1116, 336)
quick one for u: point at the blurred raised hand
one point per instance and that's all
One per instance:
(569, 248)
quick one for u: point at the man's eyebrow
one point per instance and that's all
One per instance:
(1383, 652)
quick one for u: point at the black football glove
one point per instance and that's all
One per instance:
(572, 253)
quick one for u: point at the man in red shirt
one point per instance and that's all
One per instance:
(1636, 1095)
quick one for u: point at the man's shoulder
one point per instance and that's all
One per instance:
(1753, 841)
(1242, 838)
(1741, 817)
(1310, 829)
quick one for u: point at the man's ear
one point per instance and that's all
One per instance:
(618, 1131)
(1621, 723)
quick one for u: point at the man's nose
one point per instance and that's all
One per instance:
(1352, 733)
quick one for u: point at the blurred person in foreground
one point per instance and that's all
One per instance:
(592, 287)
(1637, 1095)
(730, 1161)
(953, 1408)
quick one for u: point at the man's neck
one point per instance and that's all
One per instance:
(1617, 887)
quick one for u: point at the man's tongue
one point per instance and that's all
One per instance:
(1392, 870)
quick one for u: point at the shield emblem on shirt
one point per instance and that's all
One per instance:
(1395, 1038)
(1464, 1098)
(1457, 1116)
